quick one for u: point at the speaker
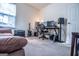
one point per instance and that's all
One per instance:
(61, 21)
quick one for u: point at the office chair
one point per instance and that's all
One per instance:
(43, 31)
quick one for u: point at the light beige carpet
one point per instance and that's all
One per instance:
(39, 47)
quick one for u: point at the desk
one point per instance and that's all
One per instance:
(53, 28)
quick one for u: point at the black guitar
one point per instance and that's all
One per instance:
(29, 31)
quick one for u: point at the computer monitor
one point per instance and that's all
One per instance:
(45, 24)
(49, 23)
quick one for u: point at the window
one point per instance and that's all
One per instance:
(7, 15)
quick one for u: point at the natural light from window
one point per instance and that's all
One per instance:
(7, 15)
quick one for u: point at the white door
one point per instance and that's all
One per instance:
(73, 20)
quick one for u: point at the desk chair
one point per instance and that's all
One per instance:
(74, 44)
(43, 32)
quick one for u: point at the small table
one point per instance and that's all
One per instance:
(19, 33)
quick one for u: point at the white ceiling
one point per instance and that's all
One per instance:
(38, 5)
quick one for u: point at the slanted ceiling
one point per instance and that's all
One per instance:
(38, 6)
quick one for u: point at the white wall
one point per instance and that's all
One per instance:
(69, 11)
(24, 15)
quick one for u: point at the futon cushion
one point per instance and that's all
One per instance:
(10, 44)
(5, 30)
(6, 34)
